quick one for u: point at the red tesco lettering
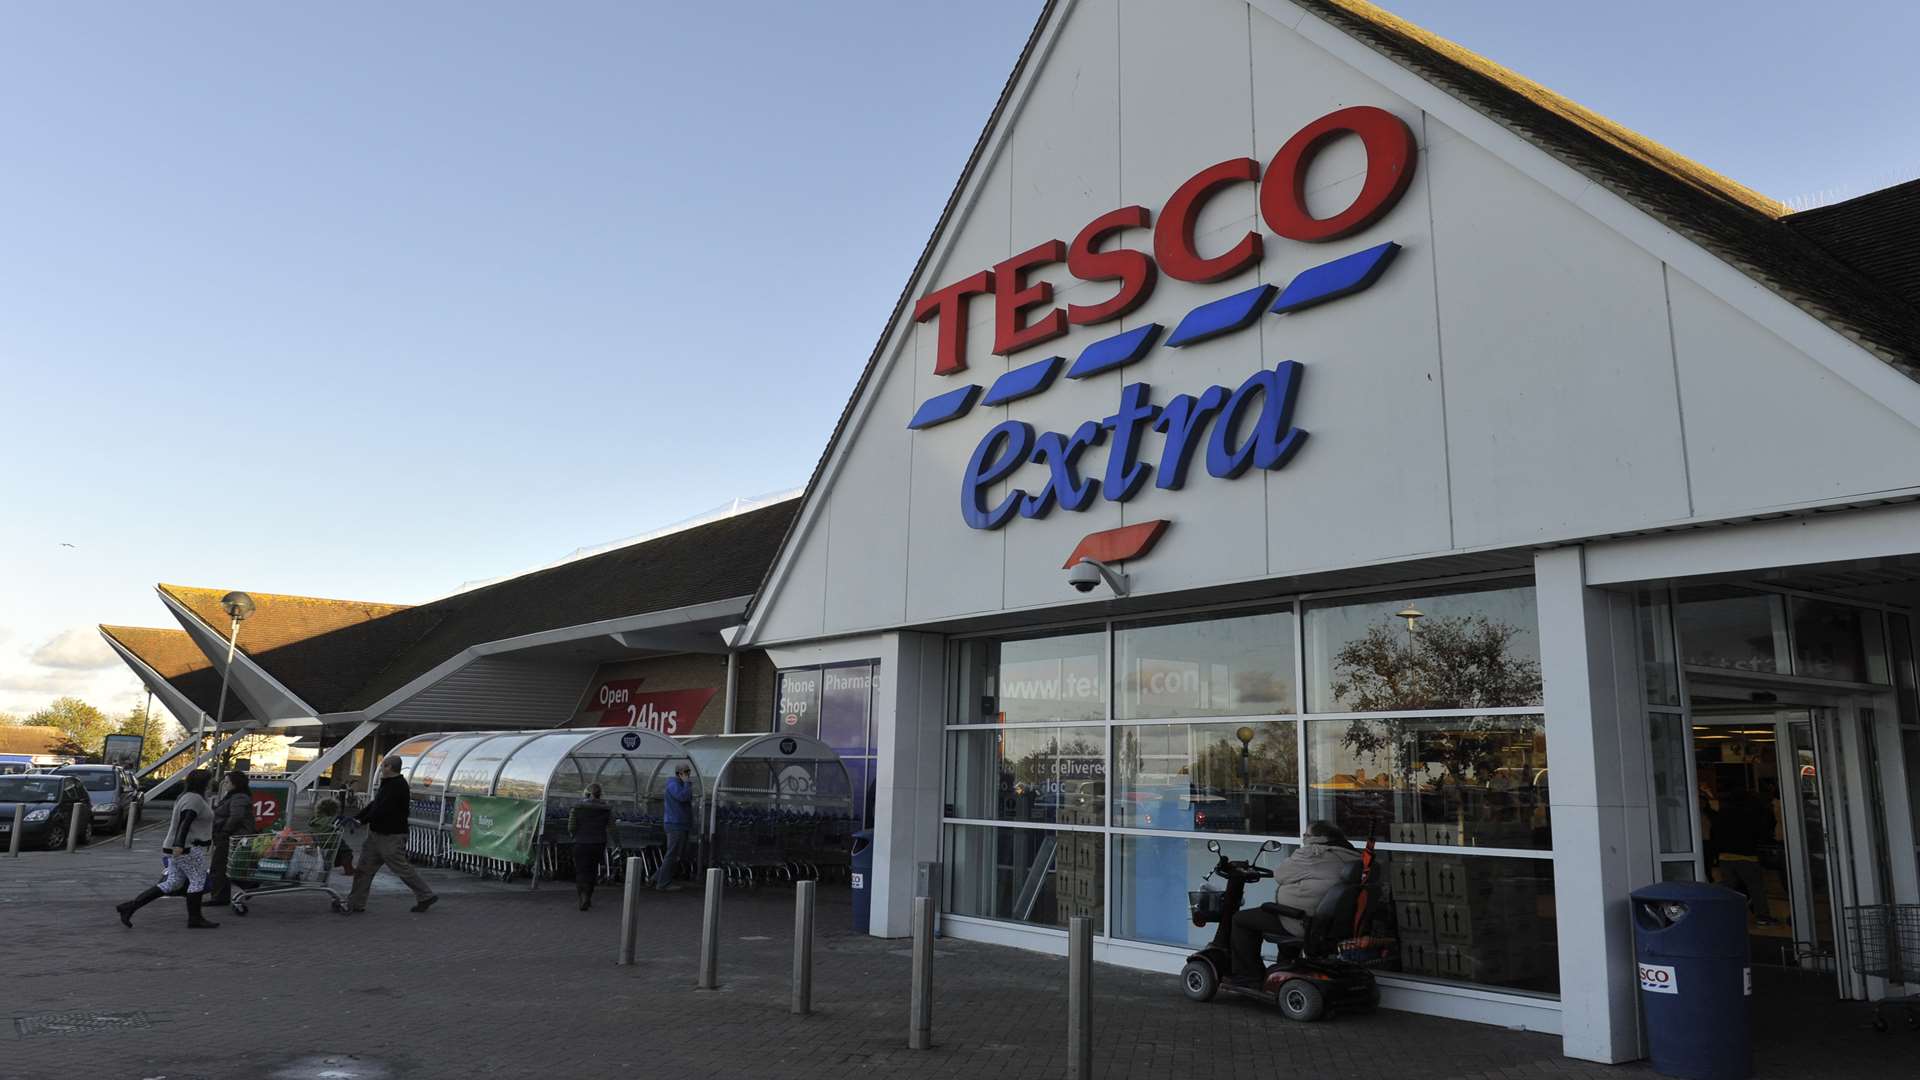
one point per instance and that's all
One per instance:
(1391, 157)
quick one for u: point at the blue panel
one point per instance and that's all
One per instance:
(1116, 351)
(1023, 381)
(948, 406)
(1331, 281)
(1224, 316)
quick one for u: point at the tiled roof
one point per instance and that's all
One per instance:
(319, 649)
(28, 739)
(716, 561)
(340, 655)
(174, 657)
(1877, 234)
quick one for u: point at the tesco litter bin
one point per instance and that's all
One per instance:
(1695, 983)
(862, 881)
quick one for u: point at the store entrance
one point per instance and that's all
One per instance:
(1763, 829)
(1790, 813)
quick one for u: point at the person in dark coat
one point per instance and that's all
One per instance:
(1741, 825)
(232, 816)
(588, 823)
(386, 821)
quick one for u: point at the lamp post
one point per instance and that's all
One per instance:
(238, 606)
(1245, 735)
(1412, 615)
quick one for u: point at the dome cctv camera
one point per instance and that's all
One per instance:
(1087, 574)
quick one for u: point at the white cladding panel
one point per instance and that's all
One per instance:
(951, 569)
(1768, 426)
(866, 571)
(1512, 378)
(1561, 413)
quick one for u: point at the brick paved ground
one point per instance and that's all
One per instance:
(497, 981)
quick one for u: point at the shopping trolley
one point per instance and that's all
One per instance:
(289, 861)
(1885, 942)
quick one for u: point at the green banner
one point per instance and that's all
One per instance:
(497, 828)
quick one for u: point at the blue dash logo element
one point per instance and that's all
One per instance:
(951, 405)
(1116, 351)
(1223, 316)
(1023, 381)
(1331, 281)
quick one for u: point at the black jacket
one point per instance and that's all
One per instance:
(1742, 824)
(588, 822)
(387, 813)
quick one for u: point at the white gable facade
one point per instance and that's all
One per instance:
(1386, 357)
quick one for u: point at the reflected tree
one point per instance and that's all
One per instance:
(1455, 662)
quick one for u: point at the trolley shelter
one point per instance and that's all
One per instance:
(776, 807)
(496, 802)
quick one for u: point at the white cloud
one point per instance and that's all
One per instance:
(78, 649)
(51, 682)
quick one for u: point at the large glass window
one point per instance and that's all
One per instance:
(1052, 775)
(1466, 650)
(1837, 641)
(1153, 874)
(1037, 876)
(1733, 629)
(1062, 677)
(1464, 781)
(1475, 919)
(1437, 742)
(1239, 778)
(1659, 657)
(1672, 783)
(1234, 666)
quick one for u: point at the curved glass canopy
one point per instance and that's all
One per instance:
(773, 800)
(630, 764)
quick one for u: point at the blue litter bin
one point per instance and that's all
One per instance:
(1696, 987)
(862, 881)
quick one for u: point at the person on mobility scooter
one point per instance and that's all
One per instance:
(1321, 891)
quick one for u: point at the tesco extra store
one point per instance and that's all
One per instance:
(1473, 473)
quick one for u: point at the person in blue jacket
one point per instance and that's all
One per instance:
(678, 818)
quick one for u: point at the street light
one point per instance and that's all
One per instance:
(1411, 614)
(1245, 735)
(238, 606)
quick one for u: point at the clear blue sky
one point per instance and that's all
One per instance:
(369, 300)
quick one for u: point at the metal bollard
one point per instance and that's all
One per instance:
(19, 820)
(803, 948)
(133, 819)
(74, 821)
(630, 911)
(1080, 998)
(710, 932)
(920, 1026)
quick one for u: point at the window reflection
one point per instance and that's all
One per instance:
(1033, 680)
(1051, 775)
(1469, 650)
(1837, 641)
(1236, 778)
(1470, 781)
(1473, 919)
(1732, 629)
(1235, 666)
(1036, 876)
(1153, 874)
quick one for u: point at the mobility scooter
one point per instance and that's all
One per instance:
(1314, 975)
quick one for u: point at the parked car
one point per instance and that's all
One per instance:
(112, 791)
(50, 802)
